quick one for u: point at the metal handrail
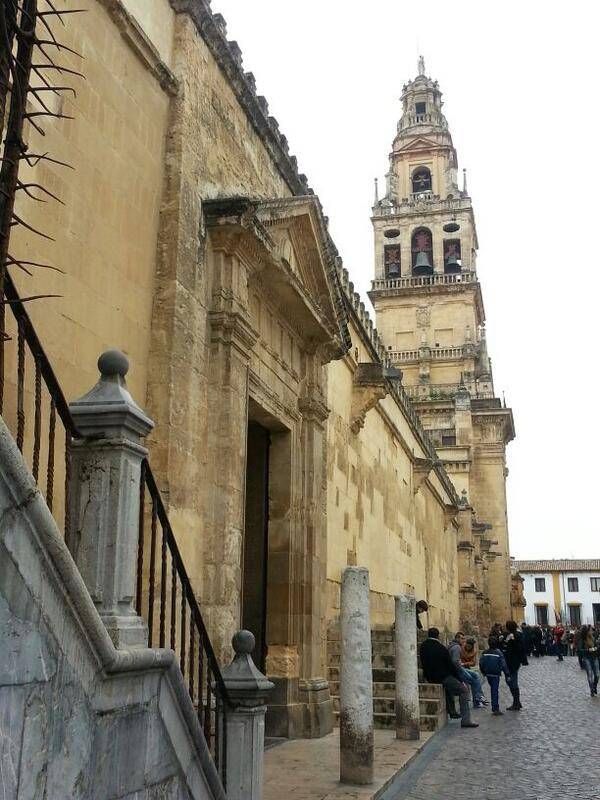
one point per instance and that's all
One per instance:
(201, 666)
(169, 601)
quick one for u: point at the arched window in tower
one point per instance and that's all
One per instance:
(452, 256)
(422, 252)
(421, 180)
(391, 260)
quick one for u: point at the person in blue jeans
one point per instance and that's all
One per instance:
(468, 676)
(492, 664)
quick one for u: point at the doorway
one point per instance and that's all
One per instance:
(256, 539)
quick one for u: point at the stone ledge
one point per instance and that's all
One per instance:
(132, 32)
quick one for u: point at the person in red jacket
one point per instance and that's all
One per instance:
(559, 632)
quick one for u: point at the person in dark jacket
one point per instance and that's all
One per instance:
(438, 668)
(492, 664)
(421, 608)
(514, 652)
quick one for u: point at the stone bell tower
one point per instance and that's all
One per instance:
(430, 315)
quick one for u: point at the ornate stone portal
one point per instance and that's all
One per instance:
(276, 319)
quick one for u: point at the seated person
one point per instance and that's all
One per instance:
(438, 667)
(465, 674)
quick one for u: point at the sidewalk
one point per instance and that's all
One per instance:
(308, 769)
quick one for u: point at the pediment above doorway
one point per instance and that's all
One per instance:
(286, 250)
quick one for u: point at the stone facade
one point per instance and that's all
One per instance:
(430, 314)
(285, 445)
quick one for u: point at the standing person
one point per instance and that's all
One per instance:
(571, 643)
(468, 676)
(537, 641)
(439, 668)
(543, 641)
(527, 640)
(514, 653)
(421, 607)
(559, 633)
(577, 644)
(492, 664)
(589, 657)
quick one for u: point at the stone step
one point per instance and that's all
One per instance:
(382, 635)
(387, 705)
(427, 691)
(378, 647)
(427, 722)
(384, 675)
(384, 661)
(431, 690)
(432, 722)
(384, 649)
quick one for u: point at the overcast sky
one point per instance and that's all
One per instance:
(520, 83)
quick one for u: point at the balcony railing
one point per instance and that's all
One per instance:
(448, 391)
(410, 204)
(437, 279)
(421, 196)
(435, 353)
(35, 409)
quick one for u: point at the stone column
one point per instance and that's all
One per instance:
(104, 494)
(407, 670)
(356, 680)
(248, 689)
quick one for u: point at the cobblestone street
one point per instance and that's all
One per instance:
(548, 751)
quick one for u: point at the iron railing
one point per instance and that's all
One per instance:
(166, 600)
(33, 405)
(35, 409)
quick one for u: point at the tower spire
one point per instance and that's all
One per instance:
(421, 65)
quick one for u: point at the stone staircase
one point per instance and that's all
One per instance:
(432, 701)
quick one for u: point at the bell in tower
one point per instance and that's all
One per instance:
(452, 264)
(422, 251)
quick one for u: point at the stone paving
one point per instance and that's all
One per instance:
(548, 751)
(308, 769)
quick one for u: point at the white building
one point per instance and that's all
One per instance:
(566, 589)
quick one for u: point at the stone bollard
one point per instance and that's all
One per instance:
(104, 496)
(356, 679)
(248, 689)
(407, 669)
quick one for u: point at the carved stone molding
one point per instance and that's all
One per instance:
(450, 515)
(368, 389)
(234, 329)
(312, 405)
(131, 31)
(421, 469)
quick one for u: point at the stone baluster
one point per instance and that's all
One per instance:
(104, 495)
(356, 679)
(407, 669)
(248, 689)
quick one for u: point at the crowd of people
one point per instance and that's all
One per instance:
(581, 641)
(462, 670)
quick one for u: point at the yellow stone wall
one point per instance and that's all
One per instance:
(106, 231)
(449, 321)
(374, 518)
